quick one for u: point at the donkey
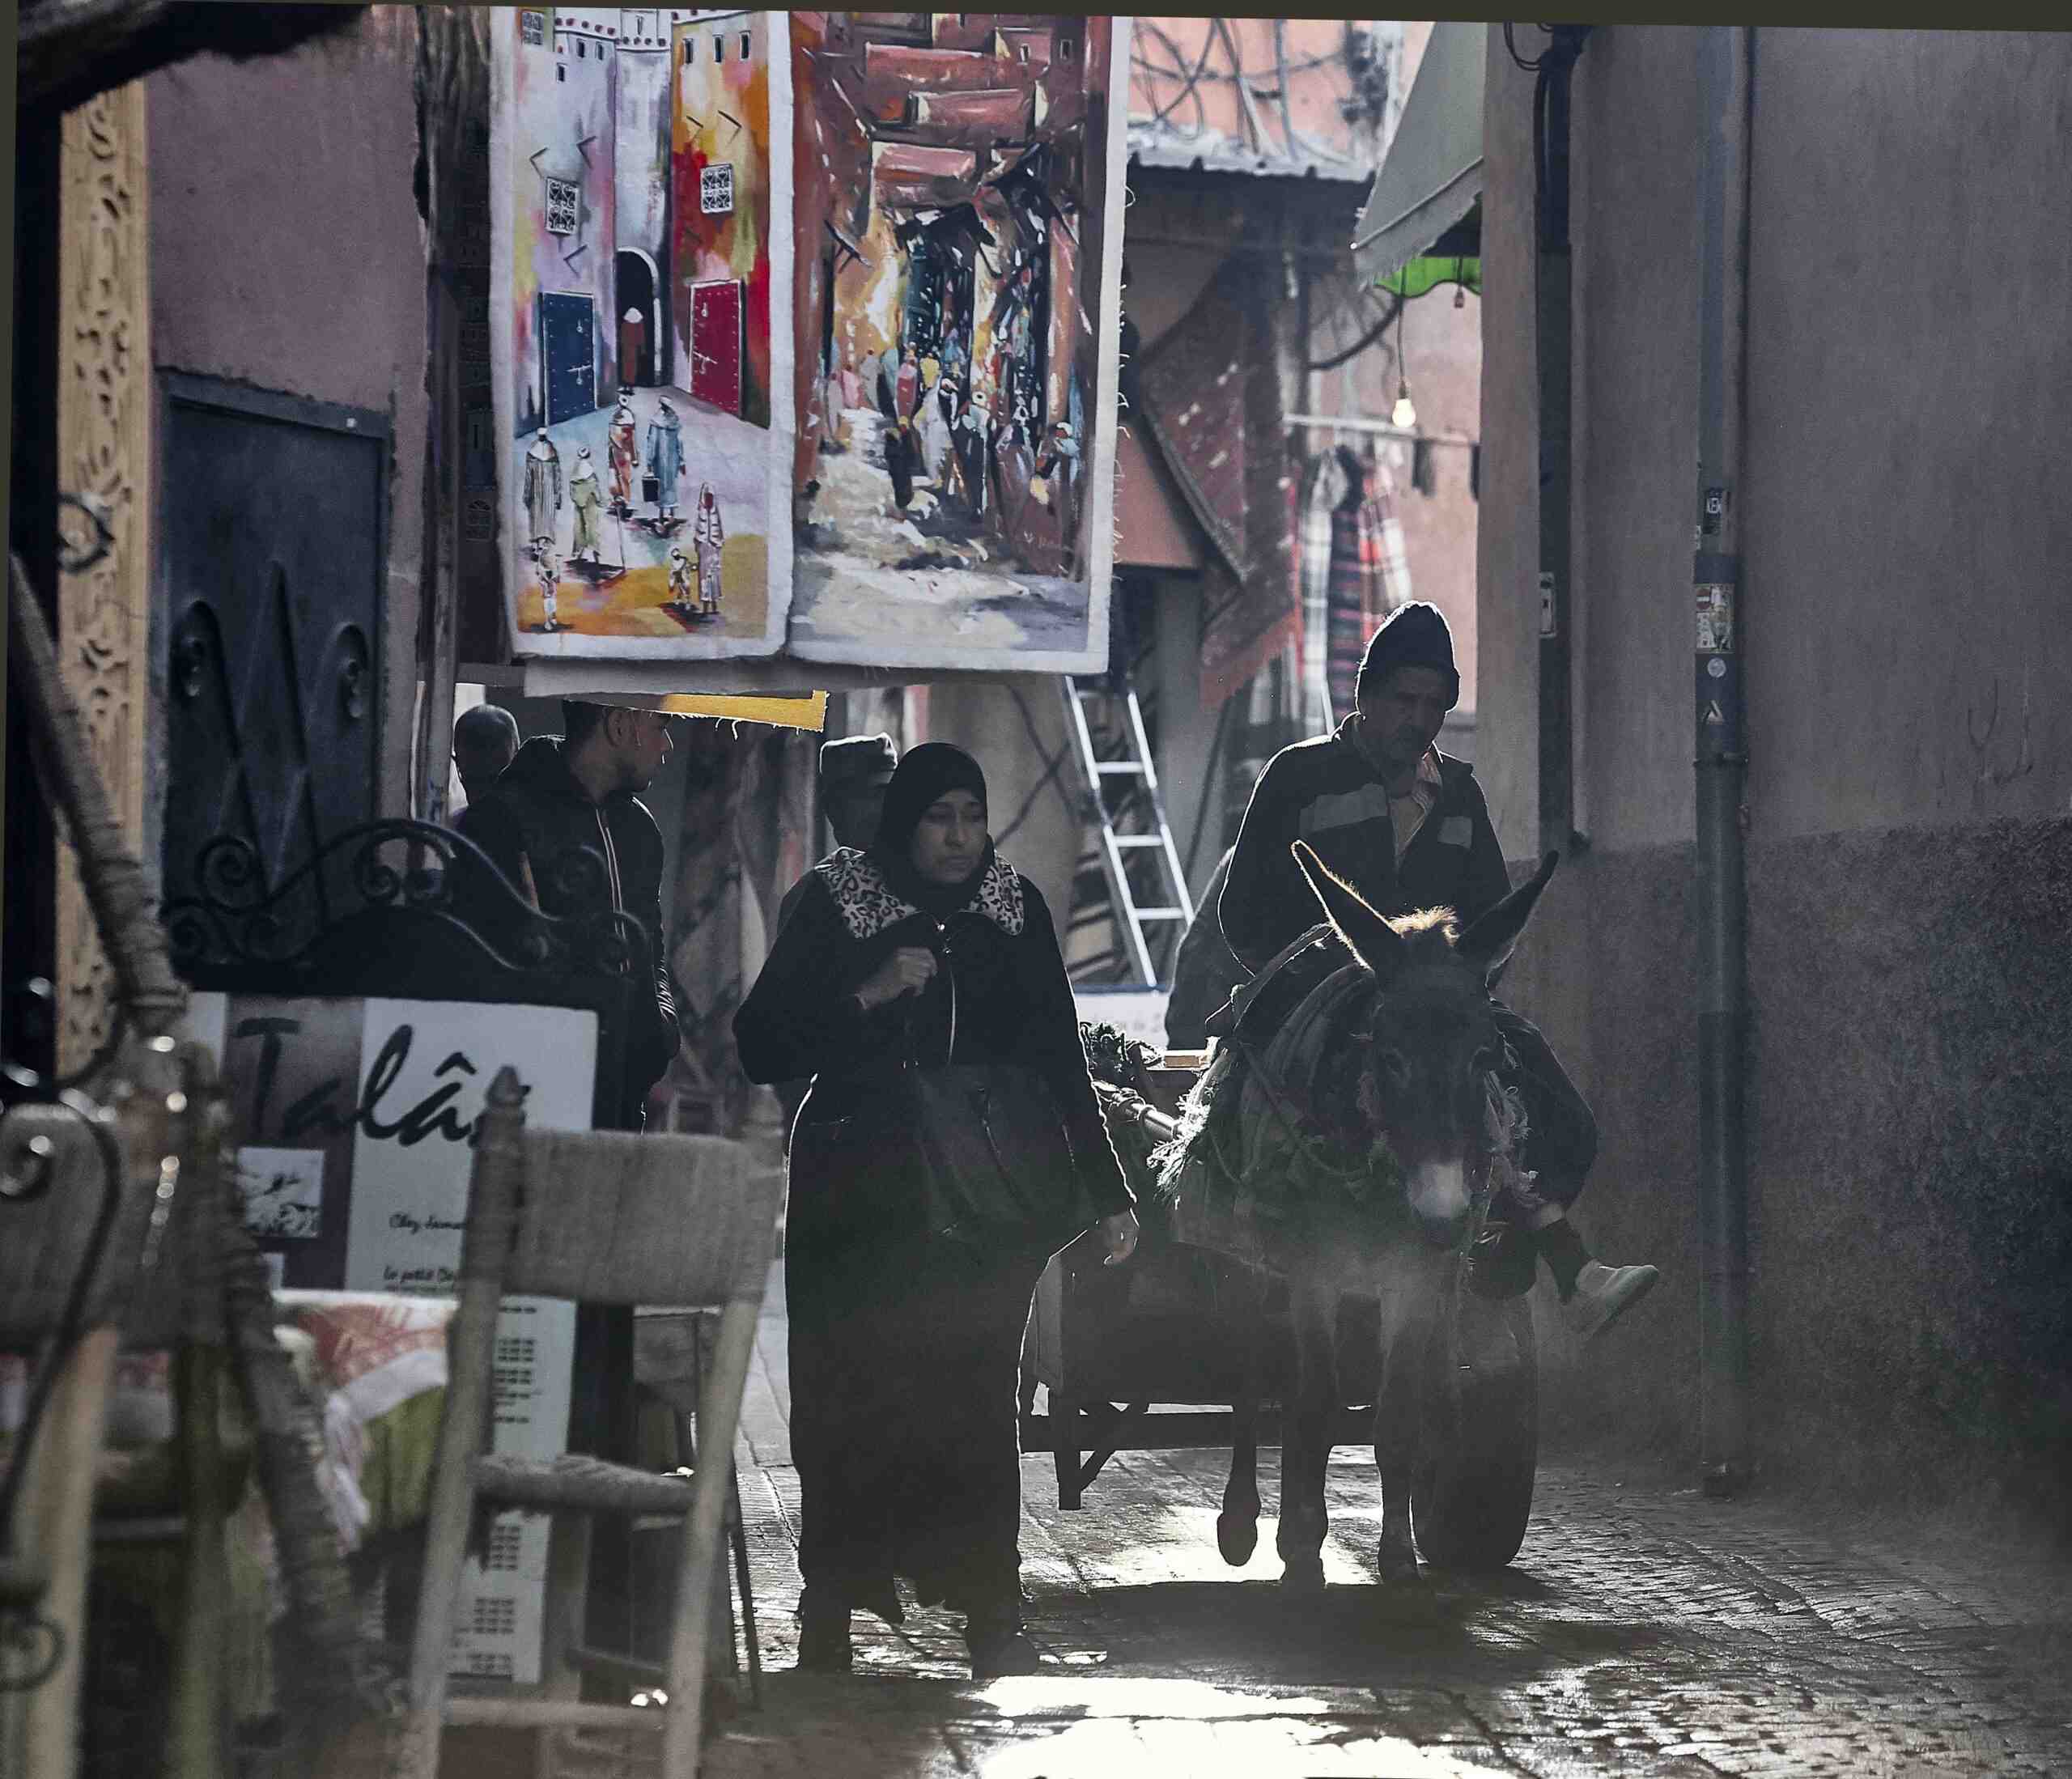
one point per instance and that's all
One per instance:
(1410, 1061)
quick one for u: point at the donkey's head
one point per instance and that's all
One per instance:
(1430, 1040)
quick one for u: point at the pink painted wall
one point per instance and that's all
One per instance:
(563, 121)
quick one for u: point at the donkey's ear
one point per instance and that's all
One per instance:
(1489, 943)
(1374, 942)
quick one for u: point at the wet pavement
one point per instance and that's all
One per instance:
(1644, 1629)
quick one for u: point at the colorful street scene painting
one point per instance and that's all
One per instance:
(641, 330)
(957, 227)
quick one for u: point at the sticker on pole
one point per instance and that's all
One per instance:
(1547, 625)
(1715, 620)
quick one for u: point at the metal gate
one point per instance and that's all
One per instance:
(275, 545)
(716, 343)
(568, 355)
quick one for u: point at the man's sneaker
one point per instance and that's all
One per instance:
(1603, 1294)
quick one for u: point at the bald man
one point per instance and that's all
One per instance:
(485, 742)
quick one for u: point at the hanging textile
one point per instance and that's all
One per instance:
(1323, 486)
(1211, 403)
(1369, 574)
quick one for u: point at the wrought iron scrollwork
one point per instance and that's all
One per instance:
(414, 870)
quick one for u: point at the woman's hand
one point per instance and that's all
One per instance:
(1119, 1234)
(905, 972)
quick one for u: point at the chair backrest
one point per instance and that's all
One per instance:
(51, 1221)
(609, 1218)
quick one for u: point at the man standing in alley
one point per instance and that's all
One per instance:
(558, 799)
(709, 538)
(1408, 827)
(543, 489)
(622, 454)
(587, 496)
(485, 742)
(665, 461)
(566, 826)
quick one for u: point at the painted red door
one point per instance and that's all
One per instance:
(716, 344)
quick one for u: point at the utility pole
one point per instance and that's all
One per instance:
(1725, 64)
(1554, 352)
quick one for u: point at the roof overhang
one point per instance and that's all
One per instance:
(1431, 177)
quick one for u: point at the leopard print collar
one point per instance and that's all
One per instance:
(868, 905)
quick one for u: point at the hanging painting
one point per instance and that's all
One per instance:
(807, 327)
(642, 334)
(958, 234)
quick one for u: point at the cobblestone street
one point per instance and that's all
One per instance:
(1644, 1629)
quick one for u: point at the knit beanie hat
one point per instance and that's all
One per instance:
(1412, 635)
(856, 760)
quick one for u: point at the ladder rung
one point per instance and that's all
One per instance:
(1120, 766)
(1161, 914)
(1138, 840)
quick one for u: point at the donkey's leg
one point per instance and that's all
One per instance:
(1305, 1432)
(1242, 1294)
(1410, 1314)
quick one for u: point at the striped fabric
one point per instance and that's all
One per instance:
(1354, 570)
(1370, 575)
(1322, 486)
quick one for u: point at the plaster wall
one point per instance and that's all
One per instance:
(244, 288)
(1907, 431)
(1910, 1160)
(720, 116)
(641, 194)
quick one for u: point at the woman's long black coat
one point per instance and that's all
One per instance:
(1014, 1004)
(904, 1351)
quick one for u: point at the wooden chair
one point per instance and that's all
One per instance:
(609, 1218)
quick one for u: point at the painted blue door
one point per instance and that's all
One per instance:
(567, 335)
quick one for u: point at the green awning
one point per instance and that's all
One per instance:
(1431, 177)
(1429, 272)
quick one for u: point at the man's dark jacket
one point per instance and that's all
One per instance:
(1205, 971)
(1325, 792)
(538, 813)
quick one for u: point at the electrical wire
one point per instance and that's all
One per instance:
(1359, 345)
(1531, 65)
(1051, 764)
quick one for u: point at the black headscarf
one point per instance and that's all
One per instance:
(927, 774)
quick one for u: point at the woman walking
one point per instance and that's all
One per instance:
(926, 951)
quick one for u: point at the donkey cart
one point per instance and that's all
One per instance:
(1186, 1346)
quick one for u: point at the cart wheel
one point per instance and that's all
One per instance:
(1473, 1494)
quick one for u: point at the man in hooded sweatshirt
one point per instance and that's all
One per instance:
(562, 798)
(1408, 827)
(557, 800)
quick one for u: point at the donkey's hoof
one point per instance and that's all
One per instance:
(1397, 1561)
(1303, 1574)
(1237, 1536)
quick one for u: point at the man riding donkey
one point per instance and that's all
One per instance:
(1407, 828)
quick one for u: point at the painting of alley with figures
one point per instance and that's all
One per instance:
(637, 150)
(953, 178)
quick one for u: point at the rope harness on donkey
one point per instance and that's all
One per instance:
(1254, 1164)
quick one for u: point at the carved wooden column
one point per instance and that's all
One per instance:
(104, 444)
